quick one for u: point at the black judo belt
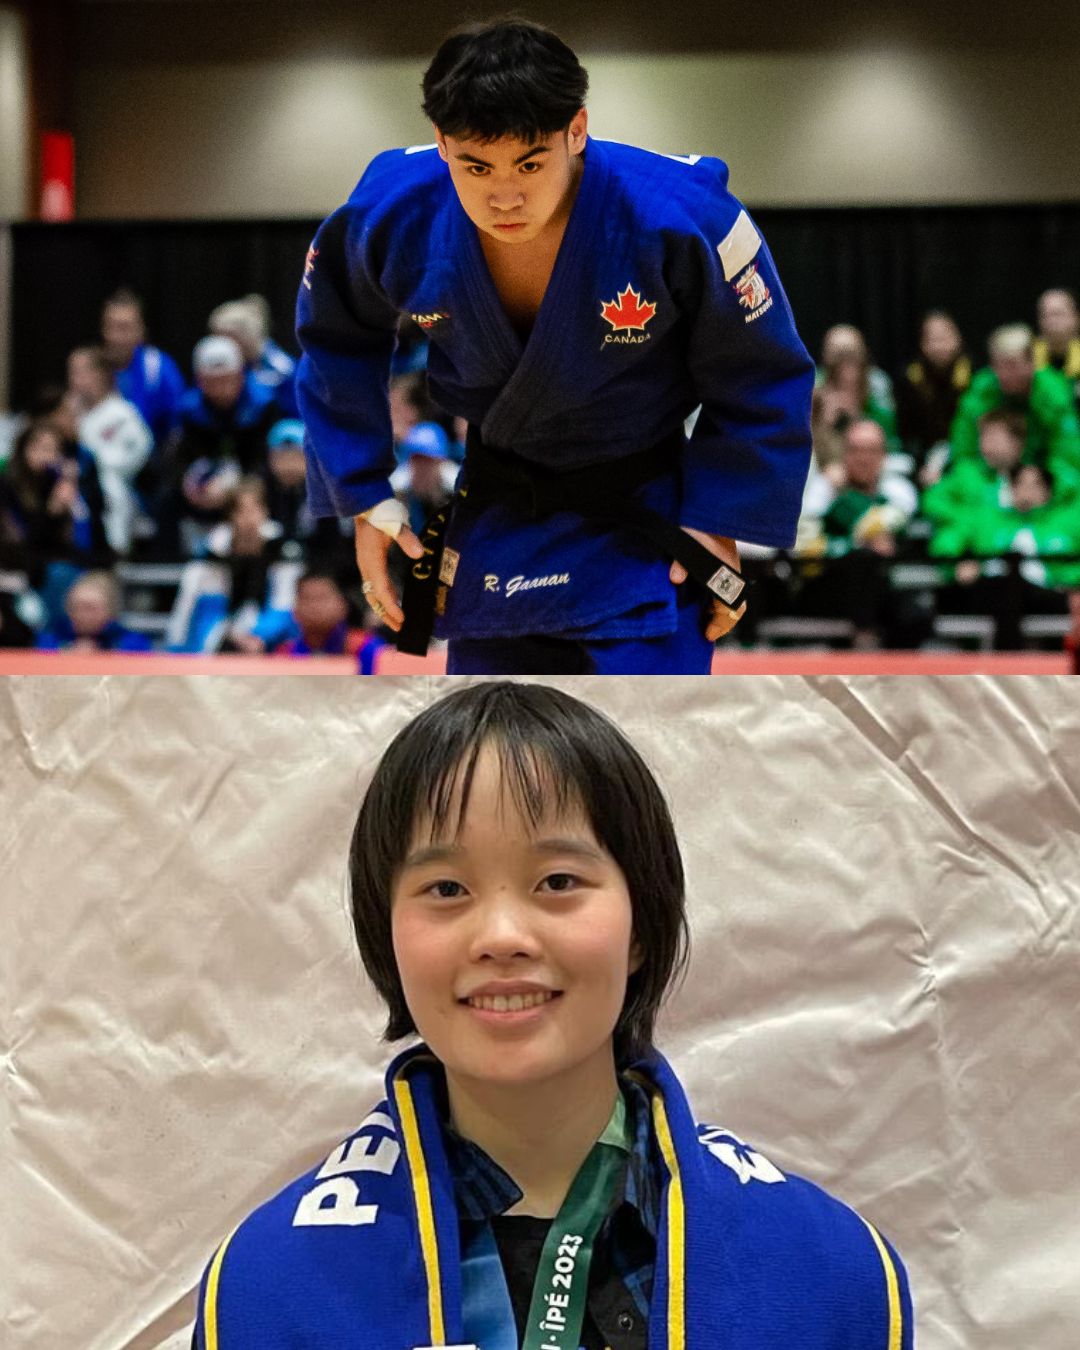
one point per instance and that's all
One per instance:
(598, 492)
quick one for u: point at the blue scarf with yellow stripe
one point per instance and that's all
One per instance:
(364, 1252)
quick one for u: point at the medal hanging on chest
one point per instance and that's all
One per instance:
(557, 1310)
(560, 1289)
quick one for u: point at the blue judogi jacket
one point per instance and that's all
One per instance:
(663, 297)
(363, 1252)
(152, 381)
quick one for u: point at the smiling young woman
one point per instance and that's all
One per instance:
(534, 1175)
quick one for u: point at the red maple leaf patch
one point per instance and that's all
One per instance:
(627, 310)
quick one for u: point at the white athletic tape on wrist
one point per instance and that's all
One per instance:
(389, 516)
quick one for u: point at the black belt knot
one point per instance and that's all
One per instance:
(598, 492)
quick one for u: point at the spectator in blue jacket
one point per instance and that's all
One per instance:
(424, 479)
(247, 322)
(224, 425)
(145, 375)
(91, 623)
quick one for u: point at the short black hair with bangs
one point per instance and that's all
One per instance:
(554, 752)
(507, 77)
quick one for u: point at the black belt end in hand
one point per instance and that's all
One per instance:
(424, 593)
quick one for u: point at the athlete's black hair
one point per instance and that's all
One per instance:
(555, 752)
(507, 77)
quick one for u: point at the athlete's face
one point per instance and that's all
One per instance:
(511, 190)
(506, 901)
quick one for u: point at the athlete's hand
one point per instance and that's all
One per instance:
(372, 546)
(723, 620)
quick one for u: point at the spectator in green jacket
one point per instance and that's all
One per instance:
(972, 483)
(1011, 381)
(1032, 522)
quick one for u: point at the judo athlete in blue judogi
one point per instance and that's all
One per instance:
(581, 299)
(534, 1175)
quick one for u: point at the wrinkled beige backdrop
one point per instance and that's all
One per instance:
(884, 995)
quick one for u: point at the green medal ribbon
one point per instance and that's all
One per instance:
(557, 1310)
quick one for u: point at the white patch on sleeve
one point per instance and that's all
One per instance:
(739, 247)
(415, 149)
(744, 1161)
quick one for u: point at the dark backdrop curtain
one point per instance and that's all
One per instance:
(882, 268)
(879, 268)
(62, 273)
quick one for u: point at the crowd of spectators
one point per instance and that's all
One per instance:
(975, 470)
(128, 464)
(972, 470)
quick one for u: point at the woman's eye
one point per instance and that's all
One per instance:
(446, 890)
(561, 881)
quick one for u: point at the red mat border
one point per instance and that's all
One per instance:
(393, 663)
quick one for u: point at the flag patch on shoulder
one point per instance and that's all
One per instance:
(739, 246)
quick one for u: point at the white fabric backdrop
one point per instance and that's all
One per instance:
(884, 993)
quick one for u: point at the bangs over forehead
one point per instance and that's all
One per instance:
(557, 757)
(540, 780)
